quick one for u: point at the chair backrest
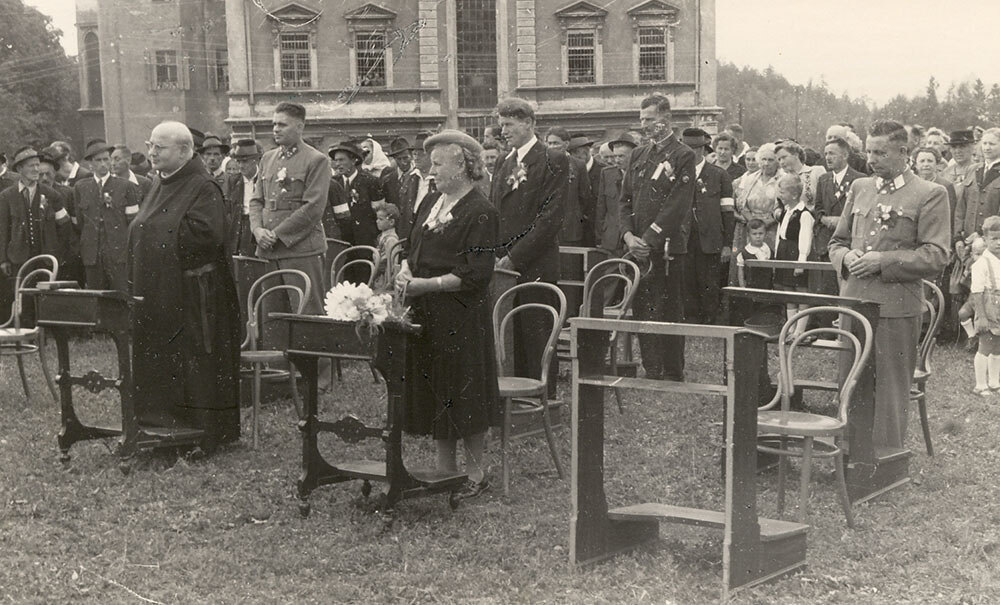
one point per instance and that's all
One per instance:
(500, 323)
(346, 255)
(394, 260)
(786, 349)
(935, 309)
(255, 300)
(643, 265)
(43, 267)
(357, 262)
(607, 274)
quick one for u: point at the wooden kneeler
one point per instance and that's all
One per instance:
(755, 549)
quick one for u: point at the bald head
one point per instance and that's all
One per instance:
(171, 146)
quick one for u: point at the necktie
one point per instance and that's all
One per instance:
(431, 187)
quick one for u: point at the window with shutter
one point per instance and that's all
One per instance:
(165, 72)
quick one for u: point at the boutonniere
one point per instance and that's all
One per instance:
(664, 168)
(886, 216)
(42, 203)
(283, 180)
(701, 186)
(354, 196)
(441, 222)
(107, 199)
(518, 176)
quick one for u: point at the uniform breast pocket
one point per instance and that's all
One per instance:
(903, 225)
(290, 191)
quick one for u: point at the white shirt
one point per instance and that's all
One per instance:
(988, 165)
(524, 149)
(422, 189)
(590, 163)
(806, 221)
(132, 179)
(838, 177)
(72, 173)
(31, 189)
(760, 253)
(981, 272)
(102, 181)
(697, 169)
(248, 186)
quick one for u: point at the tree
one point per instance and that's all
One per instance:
(39, 94)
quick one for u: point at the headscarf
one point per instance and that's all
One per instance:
(379, 161)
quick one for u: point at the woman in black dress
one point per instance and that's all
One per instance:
(451, 374)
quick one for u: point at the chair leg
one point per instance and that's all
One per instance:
(256, 405)
(24, 377)
(782, 465)
(547, 423)
(845, 499)
(504, 443)
(614, 372)
(807, 452)
(924, 424)
(371, 366)
(296, 399)
(340, 373)
(45, 369)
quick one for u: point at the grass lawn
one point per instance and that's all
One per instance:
(226, 529)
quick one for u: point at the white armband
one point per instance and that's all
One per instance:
(133, 209)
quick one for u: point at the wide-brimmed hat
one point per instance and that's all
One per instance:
(198, 137)
(962, 137)
(348, 147)
(23, 155)
(52, 156)
(213, 141)
(397, 146)
(95, 147)
(696, 137)
(456, 137)
(246, 149)
(627, 138)
(578, 142)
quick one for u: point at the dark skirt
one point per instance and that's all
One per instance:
(789, 250)
(452, 390)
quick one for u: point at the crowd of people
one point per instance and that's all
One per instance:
(691, 207)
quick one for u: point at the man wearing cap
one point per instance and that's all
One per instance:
(712, 221)
(121, 159)
(286, 210)
(962, 144)
(70, 265)
(580, 149)
(578, 205)
(407, 182)
(213, 151)
(353, 194)
(657, 195)
(72, 171)
(607, 226)
(105, 205)
(139, 164)
(528, 190)
(33, 221)
(239, 235)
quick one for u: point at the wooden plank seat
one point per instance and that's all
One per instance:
(16, 334)
(625, 382)
(262, 356)
(518, 386)
(770, 529)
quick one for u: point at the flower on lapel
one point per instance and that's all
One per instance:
(107, 199)
(886, 216)
(701, 186)
(518, 176)
(354, 196)
(43, 203)
(283, 180)
(441, 222)
(664, 168)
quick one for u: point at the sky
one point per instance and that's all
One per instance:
(872, 48)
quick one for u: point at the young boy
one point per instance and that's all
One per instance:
(985, 299)
(386, 217)
(756, 249)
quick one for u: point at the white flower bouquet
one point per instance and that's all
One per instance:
(360, 304)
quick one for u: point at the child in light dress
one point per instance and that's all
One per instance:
(985, 298)
(794, 242)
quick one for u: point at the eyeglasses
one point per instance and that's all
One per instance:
(151, 146)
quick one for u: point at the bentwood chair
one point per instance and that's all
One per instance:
(918, 390)
(355, 258)
(602, 283)
(18, 341)
(258, 359)
(805, 435)
(393, 262)
(524, 396)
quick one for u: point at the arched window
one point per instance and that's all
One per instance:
(92, 69)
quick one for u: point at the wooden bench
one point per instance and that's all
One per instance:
(755, 550)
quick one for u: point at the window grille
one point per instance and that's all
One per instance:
(166, 69)
(652, 54)
(370, 52)
(295, 69)
(580, 55)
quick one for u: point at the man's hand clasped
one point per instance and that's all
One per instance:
(637, 246)
(863, 264)
(265, 238)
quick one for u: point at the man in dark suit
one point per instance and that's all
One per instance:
(121, 159)
(31, 220)
(7, 178)
(657, 195)
(105, 206)
(578, 204)
(406, 183)
(607, 226)
(70, 265)
(579, 148)
(712, 221)
(831, 195)
(352, 194)
(239, 234)
(528, 190)
(71, 171)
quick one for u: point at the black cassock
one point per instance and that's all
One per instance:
(185, 337)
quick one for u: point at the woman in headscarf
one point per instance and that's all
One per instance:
(378, 164)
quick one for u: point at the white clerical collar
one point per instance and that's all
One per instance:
(897, 182)
(524, 149)
(697, 169)
(102, 181)
(838, 177)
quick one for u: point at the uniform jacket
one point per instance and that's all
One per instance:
(359, 226)
(830, 200)
(14, 217)
(578, 204)
(289, 199)
(713, 211)
(657, 209)
(914, 245)
(103, 215)
(531, 214)
(976, 202)
(607, 231)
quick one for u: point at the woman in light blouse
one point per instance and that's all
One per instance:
(756, 197)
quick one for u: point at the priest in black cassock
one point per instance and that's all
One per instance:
(186, 342)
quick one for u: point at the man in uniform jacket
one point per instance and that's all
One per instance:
(712, 221)
(578, 204)
(105, 205)
(407, 183)
(287, 206)
(239, 235)
(657, 195)
(831, 195)
(33, 221)
(528, 190)
(883, 256)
